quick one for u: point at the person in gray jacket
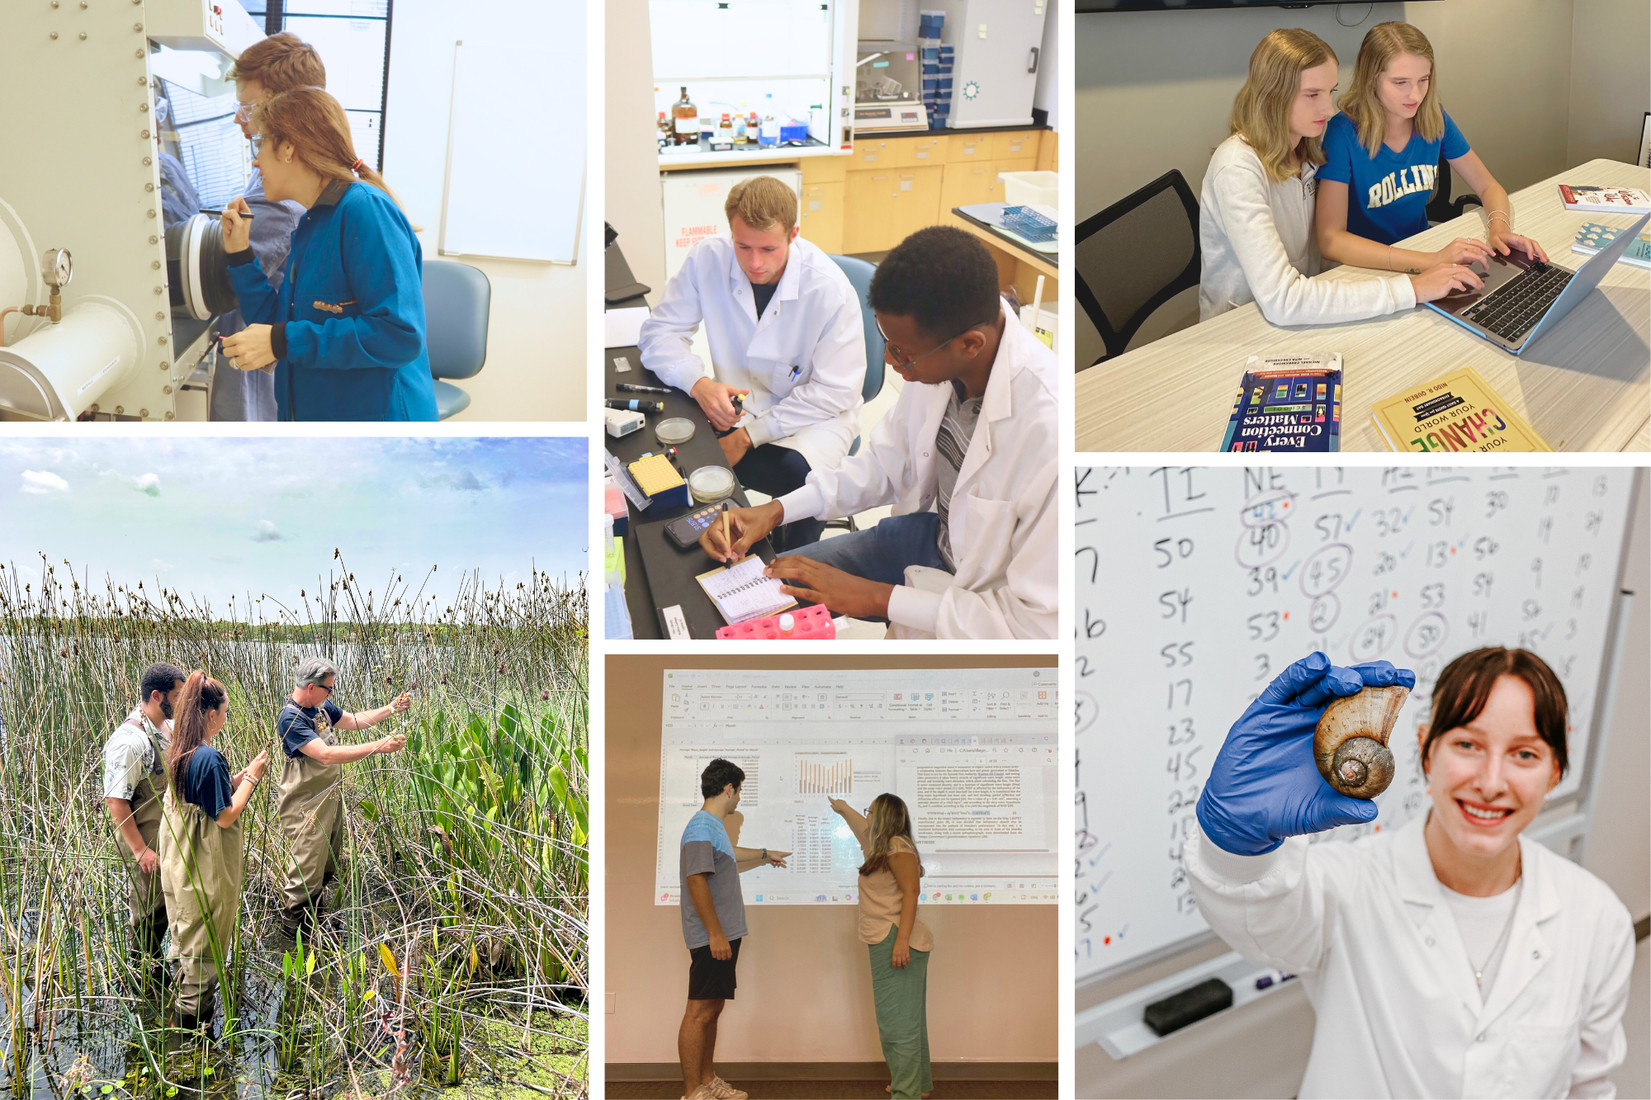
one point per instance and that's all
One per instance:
(1257, 204)
(269, 66)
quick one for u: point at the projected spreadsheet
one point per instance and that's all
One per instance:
(972, 752)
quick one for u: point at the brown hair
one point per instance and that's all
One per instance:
(1465, 685)
(280, 63)
(201, 695)
(1261, 111)
(1363, 107)
(315, 124)
(762, 202)
(886, 818)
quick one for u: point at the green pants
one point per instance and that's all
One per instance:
(902, 1017)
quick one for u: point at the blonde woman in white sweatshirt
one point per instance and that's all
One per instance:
(1256, 221)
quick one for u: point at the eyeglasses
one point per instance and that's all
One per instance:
(257, 141)
(324, 688)
(898, 354)
(243, 110)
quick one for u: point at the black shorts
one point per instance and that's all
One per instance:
(712, 979)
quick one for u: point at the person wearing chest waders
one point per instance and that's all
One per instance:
(311, 805)
(200, 847)
(134, 778)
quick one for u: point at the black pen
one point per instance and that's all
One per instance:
(220, 213)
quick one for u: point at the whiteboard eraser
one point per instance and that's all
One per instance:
(1188, 1006)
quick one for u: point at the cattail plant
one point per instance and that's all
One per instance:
(455, 942)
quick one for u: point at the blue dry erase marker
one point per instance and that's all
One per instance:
(795, 371)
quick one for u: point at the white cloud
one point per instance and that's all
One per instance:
(43, 482)
(148, 483)
(161, 565)
(266, 532)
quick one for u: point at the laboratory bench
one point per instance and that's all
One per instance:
(671, 581)
(892, 184)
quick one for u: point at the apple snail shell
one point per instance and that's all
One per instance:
(1350, 741)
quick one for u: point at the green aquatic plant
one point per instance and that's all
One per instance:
(466, 855)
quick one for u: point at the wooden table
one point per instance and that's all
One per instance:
(1584, 385)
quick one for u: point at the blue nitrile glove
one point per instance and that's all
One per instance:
(1264, 785)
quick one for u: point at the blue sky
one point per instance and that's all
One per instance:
(215, 517)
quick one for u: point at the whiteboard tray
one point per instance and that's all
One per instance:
(1116, 1025)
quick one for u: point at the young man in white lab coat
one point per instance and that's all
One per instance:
(967, 458)
(785, 332)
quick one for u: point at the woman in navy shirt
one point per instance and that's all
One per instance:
(345, 331)
(200, 846)
(1382, 159)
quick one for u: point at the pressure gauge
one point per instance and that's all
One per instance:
(57, 268)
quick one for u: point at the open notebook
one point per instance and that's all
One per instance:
(742, 593)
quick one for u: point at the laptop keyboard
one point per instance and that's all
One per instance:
(1517, 305)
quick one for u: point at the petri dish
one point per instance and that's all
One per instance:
(709, 484)
(674, 430)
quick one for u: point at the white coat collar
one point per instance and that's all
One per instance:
(1527, 950)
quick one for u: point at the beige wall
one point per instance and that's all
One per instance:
(537, 319)
(804, 979)
(634, 207)
(1610, 78)
(1262, 1050)
(1154, 89)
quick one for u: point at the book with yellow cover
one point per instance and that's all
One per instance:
(1454, 412)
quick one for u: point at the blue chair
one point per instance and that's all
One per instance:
(859, 274)
(456, 299)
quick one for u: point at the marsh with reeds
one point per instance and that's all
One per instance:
(453, 950)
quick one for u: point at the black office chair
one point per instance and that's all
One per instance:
(1136, 255)
(1440, 208)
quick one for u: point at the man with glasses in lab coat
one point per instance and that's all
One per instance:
(786, 334)
(967, 458)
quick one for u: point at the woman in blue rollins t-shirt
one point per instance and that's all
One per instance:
(200, 846)
(345, 331)
(1382, 160)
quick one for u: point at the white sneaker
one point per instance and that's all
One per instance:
(722, 1090)
(702, 1093)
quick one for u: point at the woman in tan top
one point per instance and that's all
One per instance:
(898, 941)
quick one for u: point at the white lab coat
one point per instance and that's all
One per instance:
(804, 361)
(1003, 518)
(1377, 948)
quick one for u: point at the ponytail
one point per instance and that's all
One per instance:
(201, 695)
(315, 125)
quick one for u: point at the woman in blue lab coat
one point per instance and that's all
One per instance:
(345, 331)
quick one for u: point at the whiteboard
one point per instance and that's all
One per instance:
(972, 752)
(515, 179)
(1196, 586)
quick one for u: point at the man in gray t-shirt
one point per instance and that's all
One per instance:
(713, 924)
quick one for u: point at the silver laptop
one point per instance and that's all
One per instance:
(1523, 297)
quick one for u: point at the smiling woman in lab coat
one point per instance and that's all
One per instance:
(1451, 956)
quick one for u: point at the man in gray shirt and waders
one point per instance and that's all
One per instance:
(713, 924)
(134, 780)
(311, 802)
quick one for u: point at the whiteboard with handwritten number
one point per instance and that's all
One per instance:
(1196, 586)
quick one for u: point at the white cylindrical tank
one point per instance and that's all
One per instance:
(60, 370)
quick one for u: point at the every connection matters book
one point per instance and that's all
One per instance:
(1604, 200)
(1454, 412)
(1592, 237)
(1287, 403)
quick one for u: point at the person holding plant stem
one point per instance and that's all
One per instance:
(890, 884)
(134, 766)
(200, 846)
(311, 803)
